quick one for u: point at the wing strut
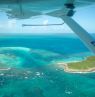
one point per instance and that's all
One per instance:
(83, 34)
(66, 13)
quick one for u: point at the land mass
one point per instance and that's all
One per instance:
(85, 66)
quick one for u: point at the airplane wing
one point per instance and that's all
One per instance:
(24, 9)
(18, 14)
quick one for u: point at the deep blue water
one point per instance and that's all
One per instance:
(36, 76)
(64, 44)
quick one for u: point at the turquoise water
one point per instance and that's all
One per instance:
(31, 71)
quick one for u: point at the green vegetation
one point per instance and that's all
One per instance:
(87, 64)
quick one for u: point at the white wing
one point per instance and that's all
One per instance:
(24, 9)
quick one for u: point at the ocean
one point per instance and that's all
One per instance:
(30, 69)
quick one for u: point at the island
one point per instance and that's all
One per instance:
(85, 66)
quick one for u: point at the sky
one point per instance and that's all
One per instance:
(85, 16)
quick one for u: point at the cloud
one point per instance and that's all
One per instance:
(45, 22)
(1, 25)
(12, 23)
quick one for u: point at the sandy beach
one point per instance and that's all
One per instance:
(64, 66)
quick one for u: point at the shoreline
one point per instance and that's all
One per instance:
(64, 66)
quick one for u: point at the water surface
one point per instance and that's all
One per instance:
(32, 71)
